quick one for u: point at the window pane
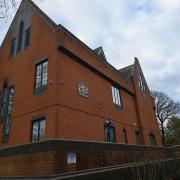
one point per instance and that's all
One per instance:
(113, 94)
(7, 125)
(10, 100)
(20, 36)
(118, 99)
(38, 76)
(4, 99)
(137, 137)
(106, 134)
(42, 130)
(27, 37)
(7, 110)
(41, 75)
(116, 96)
(35, 131)
(45, 73)
(109, 134)
(12, 47)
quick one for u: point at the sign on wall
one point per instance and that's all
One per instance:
(71, 158)
(83, 89)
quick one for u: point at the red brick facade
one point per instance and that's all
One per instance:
(69, 115)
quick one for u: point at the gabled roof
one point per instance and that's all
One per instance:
(130, 71)
(99, 51)
(27, 8)
(127, 72)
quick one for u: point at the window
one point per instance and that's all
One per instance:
(41, 76)
(124, 136)
(152, 139)
(116, 96)
(12, 48)
(20, 36)
(3, 100)
(137, 136)
(38, 130)
(27, 37)
(6, 112)
(141, 83)
(109, 132)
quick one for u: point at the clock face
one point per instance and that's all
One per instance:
(83, 89)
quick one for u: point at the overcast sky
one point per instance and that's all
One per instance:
(147, 29)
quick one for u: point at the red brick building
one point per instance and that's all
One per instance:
(53, 86)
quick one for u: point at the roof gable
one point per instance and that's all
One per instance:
(139, 73)
(127, 72)
(99, 51)
(24, 13)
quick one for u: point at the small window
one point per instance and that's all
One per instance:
(12, 48)
(152, 139)
(27, 37)
(109, 132)
(41, 76)
(116, 96)
(38, 130)
(20, 36)
(124, 136)
(137, 136)
(141, 83)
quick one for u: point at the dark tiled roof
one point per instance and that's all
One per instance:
(127, 72)
(99, 51)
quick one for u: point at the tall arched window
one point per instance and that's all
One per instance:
(6, 109)
(20, 36)
(3, 100)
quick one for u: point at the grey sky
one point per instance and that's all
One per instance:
(147, 29)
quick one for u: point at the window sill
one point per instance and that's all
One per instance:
(40, 91)
(119, 108)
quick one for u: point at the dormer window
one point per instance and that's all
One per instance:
(20, 36)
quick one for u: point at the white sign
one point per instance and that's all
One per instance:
(71, 158)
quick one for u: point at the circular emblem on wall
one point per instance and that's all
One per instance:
(83, 89)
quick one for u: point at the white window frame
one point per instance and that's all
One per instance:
(116, 96)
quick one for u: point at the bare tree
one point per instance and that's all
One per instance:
(6, 6)
(166, 108)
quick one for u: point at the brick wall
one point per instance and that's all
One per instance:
(68, 115)
(50, 157)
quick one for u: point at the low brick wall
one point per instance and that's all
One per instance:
(50, 157)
